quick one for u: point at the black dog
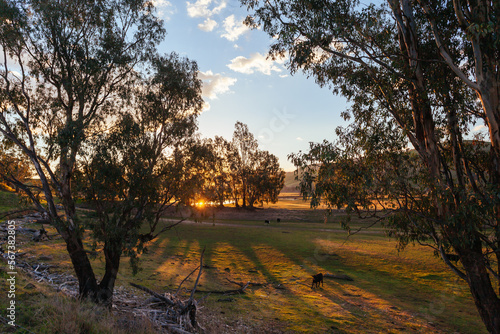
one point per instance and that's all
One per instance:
(318, 278)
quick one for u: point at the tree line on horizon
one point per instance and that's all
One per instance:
(240, 173)
(213, 171)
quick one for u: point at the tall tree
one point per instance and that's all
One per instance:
(129, 176)
(218, 188)
(65, 64)
(256, 174)
(266, 180)
(413, 69)
(245, 147)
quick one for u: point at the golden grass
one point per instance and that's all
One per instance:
(407, 292)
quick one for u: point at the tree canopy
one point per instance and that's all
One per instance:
(85, 97)
(416, 72)
(256, 175)
(238, 171)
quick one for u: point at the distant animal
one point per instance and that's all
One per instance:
(278, 220)
(266, 221)
(318, 278)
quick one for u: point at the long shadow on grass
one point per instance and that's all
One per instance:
(296, 250)
(288, 273)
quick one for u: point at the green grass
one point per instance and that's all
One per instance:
(391, 292)
(387, 284)
(9, 201)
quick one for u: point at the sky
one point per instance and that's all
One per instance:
(283, 112)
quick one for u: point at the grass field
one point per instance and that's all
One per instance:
(9, 201)
(391, 292)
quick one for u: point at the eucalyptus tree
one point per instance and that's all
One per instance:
(256, 175)
(245, 147)
(137, 169)
(266, 180)
(415, 71)
(218, 162)
(66, 66)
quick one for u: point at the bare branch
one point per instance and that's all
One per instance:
(180, 284)
(442, 48)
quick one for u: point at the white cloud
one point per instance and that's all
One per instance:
(234, 29)
(165, 9)
(479, 127)
(215, 84)
(16, 74)
(208, 25)
(256, 63)
(206, 106)
(299, 139)
(201, 8)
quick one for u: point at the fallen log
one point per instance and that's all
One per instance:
(12, 212)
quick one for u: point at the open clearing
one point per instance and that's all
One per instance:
(391, 292)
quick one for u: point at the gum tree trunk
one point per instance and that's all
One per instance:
(83, 269)
(112, 253)
(481, 288)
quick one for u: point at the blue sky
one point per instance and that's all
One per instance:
(284, 112)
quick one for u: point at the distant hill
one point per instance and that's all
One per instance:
(290, 183)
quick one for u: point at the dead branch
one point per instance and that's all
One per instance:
(182, 313)
(180, 285)
(188, 310)
(155, 294)
(199, 274)
(8, 213)
(176, 329)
